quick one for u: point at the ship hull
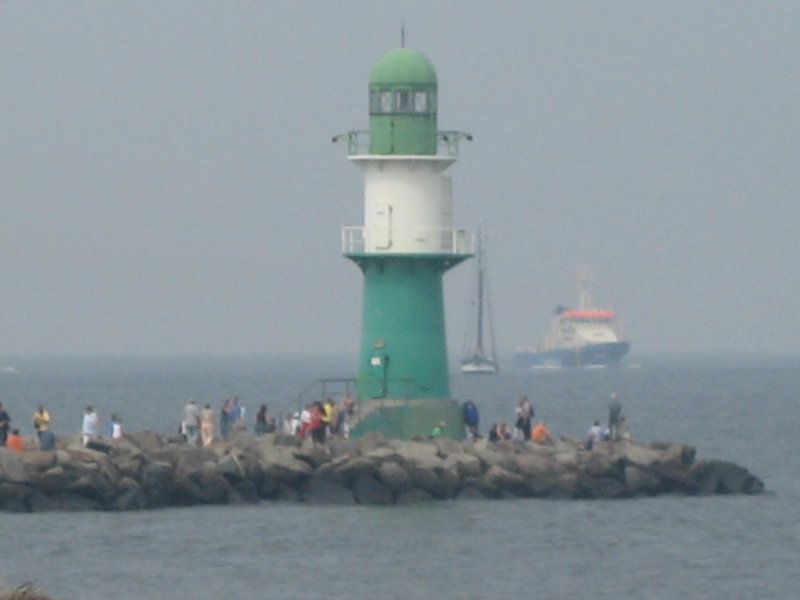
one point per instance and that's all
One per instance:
(479, 366)
(593, 355)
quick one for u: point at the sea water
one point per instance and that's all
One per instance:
(741, 409)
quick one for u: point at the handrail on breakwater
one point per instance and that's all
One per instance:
(346, 385)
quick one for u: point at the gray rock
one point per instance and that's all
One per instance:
(467, 465)
(155, 481)
(349, 471)
(37, 461)
(394, 476)
(507, 481)
(92, 485)
(215, 489)
(131, 499)
(448, 484)
(471, 492)
(14, 496)
(414, 496)
(721, 477)
(590, 486)
(324, 492)
(675, 478)
(500, 456)
(368, 490)
(244, 492)
(269, 488)
(641, 481)
(65, 502)
(287, 493)
(446, 446)
(280, 463)
(486, 488)
(230, 467)
(423, 478)
(12, 469)
(535, 464)
(148, 441)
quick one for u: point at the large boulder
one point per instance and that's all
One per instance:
(640, 481)
(37, 461)
(280, 463)
(368, 490)
(499, 455)
(721, 477)
(133, 498)
(448, 483)
(148, 441)
(156, 476)
(230, 467)
(507, 481)
(350, 470)
(467, 465)
(12, 467)
(325, 492)
(63, 502)
(14, 497)
(394, 476)
(413, 496)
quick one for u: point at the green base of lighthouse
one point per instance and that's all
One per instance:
(403, 385)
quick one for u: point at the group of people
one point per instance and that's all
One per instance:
(526, 430)
(90, 428)
(617, 426)
(319, 420)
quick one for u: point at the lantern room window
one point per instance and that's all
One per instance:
(382, 102)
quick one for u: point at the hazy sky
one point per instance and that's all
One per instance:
(168, 182)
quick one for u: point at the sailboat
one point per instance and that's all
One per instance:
(478, 357)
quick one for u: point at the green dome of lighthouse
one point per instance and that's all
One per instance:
(403, 67)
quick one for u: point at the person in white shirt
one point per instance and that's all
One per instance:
(91, 425)
(595, 435)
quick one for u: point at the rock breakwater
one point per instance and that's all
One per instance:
(146, 471)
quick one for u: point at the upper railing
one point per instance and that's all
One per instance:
(363, 240)
(358, 142)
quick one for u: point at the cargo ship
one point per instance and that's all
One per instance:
(585, 336)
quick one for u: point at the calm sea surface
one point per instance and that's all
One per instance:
(738, 409)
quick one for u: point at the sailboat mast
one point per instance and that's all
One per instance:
(480, 293)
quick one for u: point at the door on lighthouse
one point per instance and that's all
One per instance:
(378, 373)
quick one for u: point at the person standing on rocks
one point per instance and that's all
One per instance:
(525, 413)
(471, 420)
(265, 422)
(191, 422)
(91, 425)
(614, 416)
(115, 427)
(207, 425)
(595, 435)
(5, 423)
(236, 419)
(317, 423)
(41, 421)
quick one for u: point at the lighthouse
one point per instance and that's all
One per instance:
(405, 246)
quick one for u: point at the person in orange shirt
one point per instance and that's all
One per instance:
(14, 441)
(540, 434)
